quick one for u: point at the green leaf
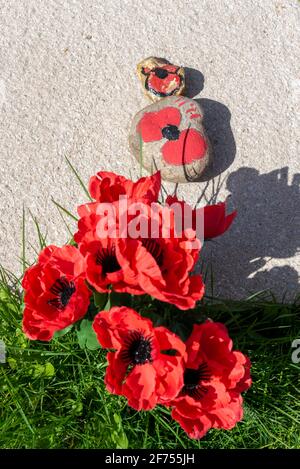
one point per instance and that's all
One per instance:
(120, 299)
(118, 436)
(86, 336)
(62, 332)
(42, 371)
(72, 242)
(108, 304)
(117, 419)
(12, 363)
(120, 440)
(49, 370)
(100, 300)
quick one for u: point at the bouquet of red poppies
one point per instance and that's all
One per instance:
(126, 283)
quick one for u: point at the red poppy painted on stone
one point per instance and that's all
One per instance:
(162, 81)
(160, 78)
(181, 147)
(56, 294)
(141, 367)
(215, 375)
(169, 136)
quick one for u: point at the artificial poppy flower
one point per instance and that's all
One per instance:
(98, 220)
(141, 367)
(56, 294)
(181, 146)
(216, 222)
(161, 262)
(163, 80)
(108, 187)
(87, 224)
(103, 269)
(214, 219)
(214, 377)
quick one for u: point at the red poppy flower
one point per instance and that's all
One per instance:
(87, 224)
(108, 187)
(161, 264)
(181, 146)
(141, 368)
(103, 268)
(215, 221)
(56, 294)
(214, 377)
(163, 80)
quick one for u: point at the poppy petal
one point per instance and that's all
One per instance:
(152, 123)
(216, 222)
(190, 146)
(140, 386)
(166, 86)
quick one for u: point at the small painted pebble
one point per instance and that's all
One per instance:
(169, 136)
(160, 78)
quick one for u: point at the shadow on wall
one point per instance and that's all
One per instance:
(216, 123)
(267, 227)
(268, 223)
(194, 82)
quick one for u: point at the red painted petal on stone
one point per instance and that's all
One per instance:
(170, 68)
(189, 147)
(152, 123)
(169, 116)
(164, 85)
(148, 128)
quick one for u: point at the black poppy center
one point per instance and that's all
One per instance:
(106, 257)
(161, 73)
(193, 381)
(63, 290)
(138, 349)
(171, 132)
(154, 248)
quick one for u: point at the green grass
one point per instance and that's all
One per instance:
(53, 396)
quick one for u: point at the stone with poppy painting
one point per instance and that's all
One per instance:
(160, 78)
(169, 136)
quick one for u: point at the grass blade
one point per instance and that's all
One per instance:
(79, 179)
(64, 210)
(42, 239)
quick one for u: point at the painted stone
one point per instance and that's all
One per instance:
(160, 78)
(169, 136)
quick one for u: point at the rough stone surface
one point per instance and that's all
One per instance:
(169, 136)
(68, 87)
(160, 78)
